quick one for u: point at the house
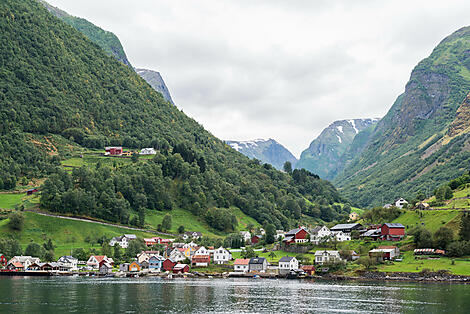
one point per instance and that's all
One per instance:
(148, 151)
(95, 260)
(124, 267)
(222, 256)
(190, 245)
(155, 262)
(354, 255)
(25, 260)
(298, 235)
(195, 235)
(69, 261)
(146, 255)
(105, 268)
(322, 257)
(340, 236)
(387, 206)
(259, 264)
(246, 236)
(168, 264)
(346, 228)
(3, 260)
(113, 151)
(423, 206)
(122, 241)
(392, 231)
(353, 216)
(177, 254)
(31, 191)
(396, 252)
(400, 203)
(135, 266)
(429, 252)
(241, 265)
(180, 268)
(280, 234)
(167, 242)
(288, 263)
(201, 260)
(320, 234)
(382, 254)
(152, 241)
(256, 238)
(144, 265)
(309, 269)
(16, 266)
(374, 234)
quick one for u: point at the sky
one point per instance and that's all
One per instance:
(285, 70)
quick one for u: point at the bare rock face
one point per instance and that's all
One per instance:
(461, 124)
(156, 81)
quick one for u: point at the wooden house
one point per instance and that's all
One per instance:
(298, 235)
(168, 264)
(134, 266)
(241, 265)
(392, 231)
(180, 268)
(309, 269)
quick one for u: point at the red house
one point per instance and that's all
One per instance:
(392, 231)
(168, 264)
(3, 260)
(113, 151)
(255, 239)
(298, 235)
(31, 191)
(180, 268)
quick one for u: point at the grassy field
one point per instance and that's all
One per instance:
(10, 200)
(431, 220)
(409, 264)
(65, 234)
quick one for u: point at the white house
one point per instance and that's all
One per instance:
(241, 265)
(326, 256)
(288, 263)
(148, 151)
(320, 234)
(95, 260)
(280, 234)
(177, 255)
(222, 256)
(144, 256)
(195, 235)
(401, 202)
(246, 235)
(190, 244)
(25, 260)
(122, 241)
(202, 251)
(342, 236)
(69, 261)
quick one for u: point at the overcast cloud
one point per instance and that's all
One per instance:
(277, 69)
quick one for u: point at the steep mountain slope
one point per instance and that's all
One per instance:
(411, 148)
(155, 80)
(324, 155)
(111, 44)
(61, 94)
(268, 151)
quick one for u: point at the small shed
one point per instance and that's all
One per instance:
(309, 269)
(180, 268)
(105, 268)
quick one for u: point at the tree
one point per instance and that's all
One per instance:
(422, 237)
(35, 250)
(288, 167)
(166, 222)
(443, 237)
(80, 254)
(270, 233)
(10, 247)
(248, 253)
(48, 245)
(49, 256)
(366, 261)
(106, 249)
(464, 231)
(16, 221)
(181, 229)
(117, 256)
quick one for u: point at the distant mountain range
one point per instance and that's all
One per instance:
(268, 151)
(111, 44)
(326, 155)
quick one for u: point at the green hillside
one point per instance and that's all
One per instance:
(413, 148)
(62, 95)
(431, 220)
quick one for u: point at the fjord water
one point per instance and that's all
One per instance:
(153, 295)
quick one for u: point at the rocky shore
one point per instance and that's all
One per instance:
(439, 276)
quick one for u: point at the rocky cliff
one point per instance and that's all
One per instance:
(155, 80)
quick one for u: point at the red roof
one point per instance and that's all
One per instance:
(17, 265)
(387, 247)
(241, 261)
(99, 258)
(308, 267)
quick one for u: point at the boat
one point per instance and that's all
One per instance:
(256, 277)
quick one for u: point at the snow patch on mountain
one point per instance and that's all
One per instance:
(353, 123)
(339, 138)
(340, 128)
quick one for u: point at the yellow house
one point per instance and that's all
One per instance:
(188, 252)
(353, 216)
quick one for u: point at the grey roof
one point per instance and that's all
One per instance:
(286, 259)
(394, 225)
(371, 232)
(257, 260)
(344, 226)
(316, 229)
(294, 231)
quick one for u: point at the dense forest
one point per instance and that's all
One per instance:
(58, 89)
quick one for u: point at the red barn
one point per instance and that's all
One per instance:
(255, 239)
(31, 191)
(113, 151)
(3, 260)
(298, 235)
(392, 231)
(180, 268)
(168, 264)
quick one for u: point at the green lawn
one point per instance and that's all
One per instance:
(65, 234)
(9, 200)
(409, 264)
(431, 220)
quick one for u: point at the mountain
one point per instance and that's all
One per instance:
(423, 140)
(268, 151)
(325, 155)
(63, 98)
(111, 44)
(155, 80)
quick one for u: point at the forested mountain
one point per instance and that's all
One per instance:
(156, 81)
(111, 44)
(60, 92)
(326, 154)
(267, 151)
(423, 140)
